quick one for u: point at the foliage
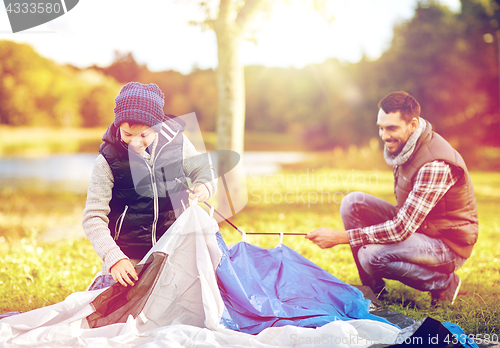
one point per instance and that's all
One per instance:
(37, 92)
(96, 99)
(447, 60)
(442, 59)
(124, 68)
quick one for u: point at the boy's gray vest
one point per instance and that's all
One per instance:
(454, 217)
(146, 198)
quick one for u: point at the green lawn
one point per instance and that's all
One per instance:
(39, 141)
(35, 272)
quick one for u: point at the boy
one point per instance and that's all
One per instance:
(133, 197)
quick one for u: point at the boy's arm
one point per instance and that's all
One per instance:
(197, 167)
(95, 215)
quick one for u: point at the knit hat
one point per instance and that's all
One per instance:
(139, 103)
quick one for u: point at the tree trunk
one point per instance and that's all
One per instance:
(230, 120)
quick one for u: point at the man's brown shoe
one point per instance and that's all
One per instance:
(447, 295)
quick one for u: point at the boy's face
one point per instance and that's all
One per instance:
(139, 137)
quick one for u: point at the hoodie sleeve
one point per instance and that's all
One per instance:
(197, 167)
(95, 215)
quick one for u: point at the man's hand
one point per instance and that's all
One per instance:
(200, 192)
(326, 237)
(121, 272)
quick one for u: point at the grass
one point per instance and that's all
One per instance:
(35, 272)
(37, 141)
(29, 208)
(477, 306)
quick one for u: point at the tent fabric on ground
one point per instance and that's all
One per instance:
(429, 332)
(264, 288)
(116, 303)
(183, 306)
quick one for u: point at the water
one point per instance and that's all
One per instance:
(263, 162)
(71, 167)
(72, 171)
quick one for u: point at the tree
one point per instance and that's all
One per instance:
(441, 58)
(124, 68)
(231, 26)
(97, 106)
(25, 78)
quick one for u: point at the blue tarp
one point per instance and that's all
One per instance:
(459, 335)
(276, 287)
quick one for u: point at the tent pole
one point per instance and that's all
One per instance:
(236, 228)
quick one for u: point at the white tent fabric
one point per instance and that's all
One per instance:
(184, 309)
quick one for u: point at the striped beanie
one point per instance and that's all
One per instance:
(139, 103)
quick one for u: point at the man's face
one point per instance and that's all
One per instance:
(139, 137)
(394, 131)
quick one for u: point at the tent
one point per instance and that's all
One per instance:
(264, 288)
(193, 291)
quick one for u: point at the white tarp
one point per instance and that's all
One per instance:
(184, 308)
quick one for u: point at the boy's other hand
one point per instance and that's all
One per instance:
(123, 271)
(201, 192)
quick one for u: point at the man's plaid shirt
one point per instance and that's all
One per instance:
(433, 180)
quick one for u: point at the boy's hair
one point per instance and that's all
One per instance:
(133, 123)
(403, 102)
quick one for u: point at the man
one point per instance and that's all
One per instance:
(432, 229)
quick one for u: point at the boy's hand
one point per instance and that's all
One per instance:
(123, 271)
(201, 192)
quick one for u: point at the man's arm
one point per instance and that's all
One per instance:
(433, 180)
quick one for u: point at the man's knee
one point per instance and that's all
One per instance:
(370, 258)
(349, 203)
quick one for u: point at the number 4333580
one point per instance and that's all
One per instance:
(32, 7)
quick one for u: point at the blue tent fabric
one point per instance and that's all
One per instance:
(459, 335)
(430, 332)
(264, 288)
